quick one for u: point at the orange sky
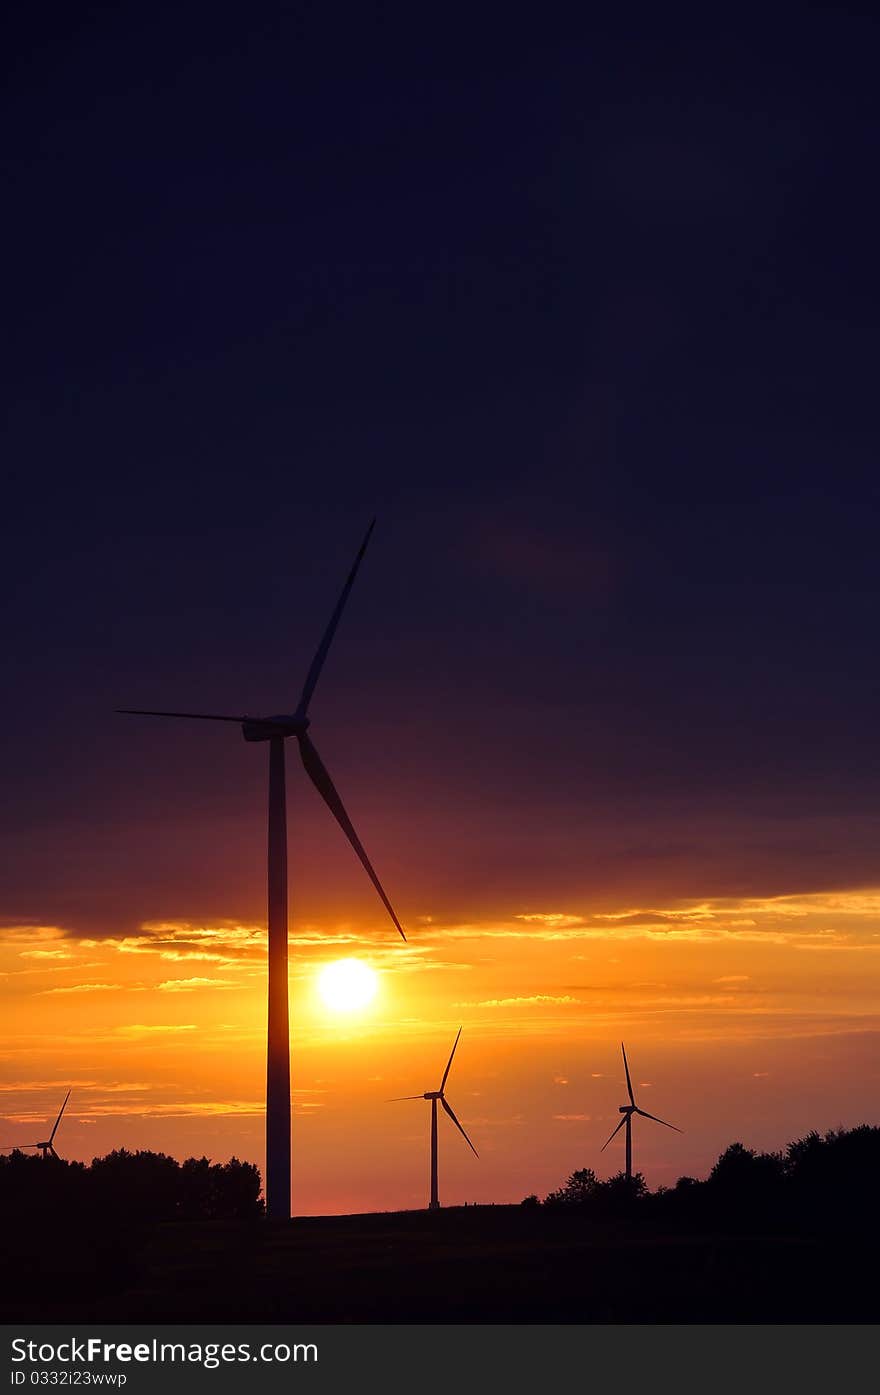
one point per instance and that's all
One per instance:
(750, 1019)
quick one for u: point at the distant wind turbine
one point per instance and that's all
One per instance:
(276, 730)
(46, 1147)
(628, 1110)
(434, 1096)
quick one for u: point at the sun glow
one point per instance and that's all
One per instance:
(347, 984)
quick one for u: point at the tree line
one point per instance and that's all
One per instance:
(820, 1181)
(129, 1186)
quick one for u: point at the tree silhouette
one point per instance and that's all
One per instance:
(818, 1183)
(127, 1188)
(580, 1188)
(620, 1192)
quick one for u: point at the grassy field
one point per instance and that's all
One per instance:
(475, 1264)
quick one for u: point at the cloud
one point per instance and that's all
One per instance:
(159, 1028)
(21, 1086)
(189, 985)
(14, 932)
(87, 988)
(572, 1118)
(227, 943)
(45, 954)
(202, 955)
(841, 920)
(224, 942)
(519, 1002)
(180, 1109)
(557, 919)
(699, 912)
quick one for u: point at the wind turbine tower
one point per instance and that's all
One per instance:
(434, 1096)
(628, 1110)
(275, 730)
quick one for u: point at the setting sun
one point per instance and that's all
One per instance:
(347, 984)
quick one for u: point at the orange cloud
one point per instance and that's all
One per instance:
(188, 985)
(86, 988)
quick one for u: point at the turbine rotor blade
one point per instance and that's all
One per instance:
(632, 1098)
(314, 672)
(645, 1115)
(449, 1062)
(58, 1120)
(397, 1098)
(617, 1130)
(320, 778)
(459, 1127)
(192, 716)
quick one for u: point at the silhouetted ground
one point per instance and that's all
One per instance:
(475, 1264)
(766, 1237)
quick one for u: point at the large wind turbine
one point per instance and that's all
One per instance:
(47, 1146)
(434, 1096)
(275, 730)
(628, 1110)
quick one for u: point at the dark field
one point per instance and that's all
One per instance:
(475, 1264)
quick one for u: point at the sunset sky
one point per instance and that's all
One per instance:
(587, 318)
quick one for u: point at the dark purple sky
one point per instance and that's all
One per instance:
(584, 311)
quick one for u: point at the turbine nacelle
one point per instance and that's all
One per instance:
(265, 728)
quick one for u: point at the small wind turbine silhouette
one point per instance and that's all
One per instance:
(434, 1096)
(46, 1147)
(628, 1110)
(276, 730)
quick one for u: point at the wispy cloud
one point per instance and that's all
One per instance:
(23, 1086)
(86, 988)
(530, 1001)
(845, 920)
(201, 955)
(156, 1028)
(555, 919)
(15, 932)
(189, 985)
(181, 1109)
(223, 942)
